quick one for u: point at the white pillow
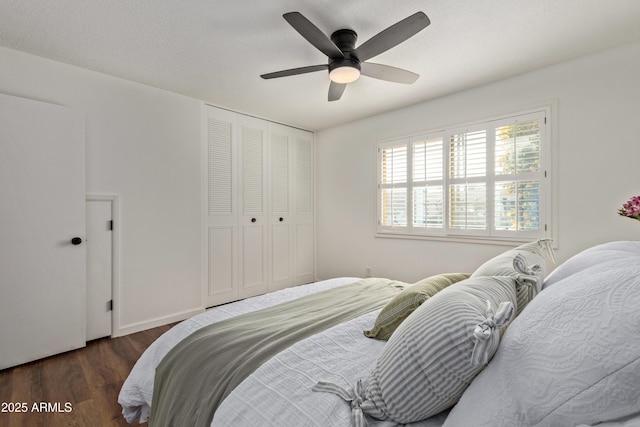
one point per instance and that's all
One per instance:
(435, 353)
(612, 252)
(572, 357)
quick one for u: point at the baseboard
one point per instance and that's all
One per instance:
(158, 321)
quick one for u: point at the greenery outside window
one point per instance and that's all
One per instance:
(482, 180)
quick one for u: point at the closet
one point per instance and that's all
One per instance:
(258, 197)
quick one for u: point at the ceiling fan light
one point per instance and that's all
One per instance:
(344, 74)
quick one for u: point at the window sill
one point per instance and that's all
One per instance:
(483, 240)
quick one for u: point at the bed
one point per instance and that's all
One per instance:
(507, 345)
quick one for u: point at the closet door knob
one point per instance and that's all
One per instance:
(76, 241)
(253, 220)
(281, 219)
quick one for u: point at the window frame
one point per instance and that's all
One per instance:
(491, 234)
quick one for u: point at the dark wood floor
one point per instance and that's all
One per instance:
(89, 379)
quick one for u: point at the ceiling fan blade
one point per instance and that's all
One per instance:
(313, 34)
(388, 73)
(295, 71)
(336, 90)
(392, 36)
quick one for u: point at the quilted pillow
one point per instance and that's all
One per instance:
(573, 357)
(435, 353)
(403, 304)
(526, 263)
(612, 253)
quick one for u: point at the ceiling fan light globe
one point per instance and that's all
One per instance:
(344, 74)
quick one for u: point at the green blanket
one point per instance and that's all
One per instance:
(195, 376)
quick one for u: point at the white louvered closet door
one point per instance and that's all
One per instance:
(221, 224)
(258, 192)
(291, 207)
(303, 245)
(281, 221)
(253, 222)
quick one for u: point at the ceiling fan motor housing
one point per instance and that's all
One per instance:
(345, 40)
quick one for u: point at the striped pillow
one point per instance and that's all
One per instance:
(435, 353)
(526, 263)
(403, 304)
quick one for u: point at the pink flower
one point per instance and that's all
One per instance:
(631, 208)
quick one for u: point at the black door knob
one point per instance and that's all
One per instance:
(253, 220)
(281, 219)
(76, 241)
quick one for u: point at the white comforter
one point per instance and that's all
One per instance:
(279, 392)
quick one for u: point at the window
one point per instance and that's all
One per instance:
(484, 180)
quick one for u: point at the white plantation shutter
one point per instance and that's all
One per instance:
(468, 154)
(517, 206)
(411, 183)
(519, 177)
(487, 180)
(428, 183)
(518, 147)
(468, 180)
(393, 184)
(468, 206)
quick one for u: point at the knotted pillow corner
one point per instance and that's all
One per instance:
(487, 334)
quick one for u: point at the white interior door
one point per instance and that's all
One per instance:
(42, 210)
(99, 268)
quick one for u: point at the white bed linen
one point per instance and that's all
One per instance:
(278, 393)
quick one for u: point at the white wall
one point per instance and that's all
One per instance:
(598, 150)
(143, 144)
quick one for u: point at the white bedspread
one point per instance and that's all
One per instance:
(278, 393)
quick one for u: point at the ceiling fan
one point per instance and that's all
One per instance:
(346, 62)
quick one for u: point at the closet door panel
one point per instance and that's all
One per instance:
(281, 250)
(221, 249)
(221, 221)
(304, 174)
(304, 253)
(280, 207)
(253, 133)
(253, 260)
(304, 209)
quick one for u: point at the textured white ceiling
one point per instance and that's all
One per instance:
(215, 50)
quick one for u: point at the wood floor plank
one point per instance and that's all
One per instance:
(78, 388)
(63, 380)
